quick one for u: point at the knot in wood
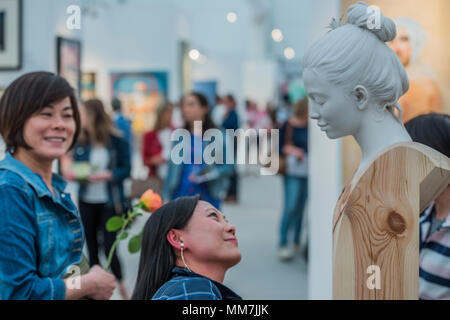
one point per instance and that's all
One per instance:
(396, 222)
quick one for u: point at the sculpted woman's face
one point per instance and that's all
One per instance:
(209, 237)
(334, 109)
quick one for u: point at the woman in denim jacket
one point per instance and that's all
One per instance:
(193, 177)
(41, 231)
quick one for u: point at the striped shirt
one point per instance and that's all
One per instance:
(434, 272)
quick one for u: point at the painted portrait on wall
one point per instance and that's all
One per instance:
(424, 95)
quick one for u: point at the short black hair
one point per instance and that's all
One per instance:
(26, 96)
(116, 104)
(432, 130)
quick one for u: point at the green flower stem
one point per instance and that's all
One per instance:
(116, 242)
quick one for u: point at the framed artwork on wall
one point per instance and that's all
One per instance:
(141, 93)
(88, 85)
(68, 55)
(10, 34)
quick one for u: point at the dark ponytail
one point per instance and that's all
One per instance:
(157, 257)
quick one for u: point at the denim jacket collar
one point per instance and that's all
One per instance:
(34, 179)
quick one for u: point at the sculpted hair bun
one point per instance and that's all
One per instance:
(361, 15)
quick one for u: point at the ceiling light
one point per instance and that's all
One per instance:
(194, 54)
(277, 35)
(289, 53)
(231, 17)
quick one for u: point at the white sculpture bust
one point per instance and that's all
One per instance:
(354, 81)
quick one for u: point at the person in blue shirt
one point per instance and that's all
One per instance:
(187, 247)
(41, 231)
(196, 177)
(122, 123)
(231, 121)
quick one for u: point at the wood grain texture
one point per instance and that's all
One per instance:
(376, 222)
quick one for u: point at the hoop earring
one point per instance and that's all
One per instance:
(182, 256)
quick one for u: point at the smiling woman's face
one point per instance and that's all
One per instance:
(50, 131)
(210, 238)
(335, 111)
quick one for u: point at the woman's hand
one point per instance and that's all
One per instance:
(97, 284)
(70, 176)
(103, 283)
(100, 176)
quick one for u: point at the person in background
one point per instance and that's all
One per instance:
(433, 130)
(187, 247)
(156, 144)
(284, 110)
(231, 121)
(41, 231)
(187, 179)
(219, 112)
(294, 146)
(101, 194)
(122, 123)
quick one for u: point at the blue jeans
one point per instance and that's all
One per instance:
(295, 195)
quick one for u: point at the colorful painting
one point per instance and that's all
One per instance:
(87, 86)
(10, 34)
(140, 93)
(69, 61)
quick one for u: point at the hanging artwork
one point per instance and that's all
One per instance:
(140, 93)
(87, 86)
(10, 34)
(69, 61)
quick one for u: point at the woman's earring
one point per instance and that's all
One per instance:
(182, 256)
